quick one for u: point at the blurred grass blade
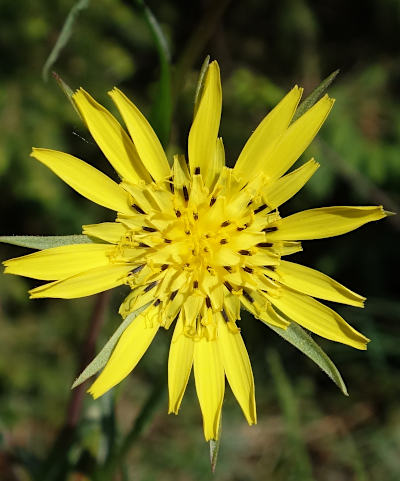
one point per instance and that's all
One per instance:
(64, 36)
(301, 464)
(214, 448)
(44, 242)
(315, 95)
(104, 355)
(200, 83)
(161, 112)
(298, 337)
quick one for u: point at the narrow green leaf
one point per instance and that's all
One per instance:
(214, 448)
(44, 242)
(315, 95)
(64, 36)
(200, 83)
(298, 337)
(67, 91)
(161, 112)
(104, 355)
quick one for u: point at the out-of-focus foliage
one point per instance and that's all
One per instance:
(307, 429)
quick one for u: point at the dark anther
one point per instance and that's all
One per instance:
(164, 266)
(195, 215)
(156, 302)
(249, 203)
(150, 286)
(173, 295)
(149, 229)
(178, 213)
(167, 241)
(187, 264)
(228, 286)
(185, 193)
(225, 224)
(228, 268)
(208, 302)
(264, 244)
(270, 229)
(137, 269)
(223, 241)
(224, 315)
(248, 296)
(205, 249)
(195, 284)
(138, 209)
(261, 208)
(245, 252)
(271, 268)
(142, 244)
(197, 171)
(248, 269)
(212, 201)
(209, 268)
(171, 185)
(242, 228)
(187, 232)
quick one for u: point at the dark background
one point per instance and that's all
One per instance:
(307, 429)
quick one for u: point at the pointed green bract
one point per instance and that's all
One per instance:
(304, 342)
(104, 355)
(44, 242)
(214, 448)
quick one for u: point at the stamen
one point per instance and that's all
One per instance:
(195, 284)
(185, 193)
(173, 295)
(264, 244)
(248, 296)
(225, 315)
(138, 209)
(164, 266)
(248, 269)
(150, 286)
(223, 241)
(212, 201)
(270, 229)
(242, 228)
(245, 252)
(208, 302)
(156, 302)
(271, 268)
(167, 241)
(228, 268)
(149, 229)
(178, 213)
(137, 269)
(195, 215)
(225, 224)
(228, 286)
(261, 208)
(171, 185)
(142, 244)
(197, 171)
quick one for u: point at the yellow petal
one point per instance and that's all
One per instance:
(210, 384)
(204, 131)
(108, 231)
(318, 318)
(314, 283)
(324, 222)
(180, 362)
(60, 262)
(84, 284)
(296, 139)
(85, 179)
(238, 370)
(262, 140)
(146, 141)
(283, 189)
(130, 348)
(111, 138)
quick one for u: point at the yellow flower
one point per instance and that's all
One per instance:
(199, 241)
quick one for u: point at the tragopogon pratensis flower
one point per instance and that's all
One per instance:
(199, 241)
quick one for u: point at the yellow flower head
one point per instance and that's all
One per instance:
(199, 241)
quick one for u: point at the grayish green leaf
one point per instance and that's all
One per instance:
(44, 242)
(298, 337)
(64, 36)
(200, 83)
(104, 355)
(315, 95)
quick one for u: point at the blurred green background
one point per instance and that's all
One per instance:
(307, 429)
